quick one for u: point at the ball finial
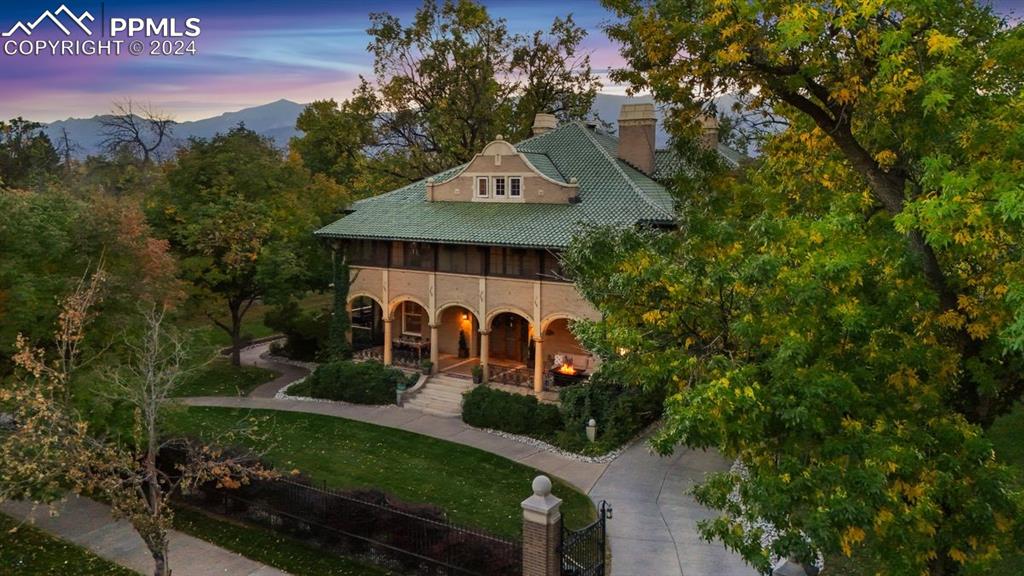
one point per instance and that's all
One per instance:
(542, 486)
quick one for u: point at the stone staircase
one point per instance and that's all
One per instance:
(441, 395)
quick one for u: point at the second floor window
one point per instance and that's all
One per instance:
(499, 186)
(481, 187)
(515, 187)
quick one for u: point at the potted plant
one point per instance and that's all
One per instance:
(426, 366)
(478, 374)
(463, 347)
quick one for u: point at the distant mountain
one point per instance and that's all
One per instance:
(277, 122)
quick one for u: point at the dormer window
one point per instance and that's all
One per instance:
(515, 187)
(481, 187)
(499, 186)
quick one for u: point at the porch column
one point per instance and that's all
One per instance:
(485, 351)
(387, 341)
(538, 366)
(435, 352)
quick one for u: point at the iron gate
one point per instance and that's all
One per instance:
(583, 551)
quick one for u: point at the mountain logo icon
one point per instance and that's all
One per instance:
(27, 28)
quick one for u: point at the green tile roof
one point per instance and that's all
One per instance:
(611, 192)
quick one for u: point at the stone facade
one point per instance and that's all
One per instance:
(543, 304)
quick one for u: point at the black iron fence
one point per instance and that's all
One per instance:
(584, 551)
(512, 377)
(399, 357)
(412, 539)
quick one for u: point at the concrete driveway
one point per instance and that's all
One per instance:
(653, 531)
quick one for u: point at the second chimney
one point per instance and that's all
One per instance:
(636, 136)
(544, 123)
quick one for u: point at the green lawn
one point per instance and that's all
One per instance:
(476, 488)
(268, 547)
(29, 550)
(220, 378)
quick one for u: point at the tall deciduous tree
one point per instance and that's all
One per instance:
(444, 85)
(50, 237)
(27, 156)
(847, 319)
(241, 218)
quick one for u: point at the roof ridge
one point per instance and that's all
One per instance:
(614, 161)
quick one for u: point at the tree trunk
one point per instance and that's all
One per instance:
(160, 565)
(236, 334)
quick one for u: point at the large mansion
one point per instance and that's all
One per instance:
(463, 267)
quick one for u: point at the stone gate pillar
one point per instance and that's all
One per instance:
(542, 531)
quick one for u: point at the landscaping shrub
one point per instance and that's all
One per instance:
(357, 382)
(621, 413)
(306, 331)
(489, 408)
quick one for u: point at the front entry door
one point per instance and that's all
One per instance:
(513, 337)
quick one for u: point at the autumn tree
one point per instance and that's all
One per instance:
(845, 319)
(50, 237)
(241, 217)
(53, 449)
(443, 86)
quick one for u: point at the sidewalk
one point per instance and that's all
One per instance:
(89, 524)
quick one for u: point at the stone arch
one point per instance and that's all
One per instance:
(492, 314)
(447, 305)
(546, 322)
(408, 298)
(352, 296)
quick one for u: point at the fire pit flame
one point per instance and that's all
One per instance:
(567, 368)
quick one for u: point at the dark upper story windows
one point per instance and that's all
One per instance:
(367, 252)
(507, 262)
(460, 259)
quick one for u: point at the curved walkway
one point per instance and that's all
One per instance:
(654, 528)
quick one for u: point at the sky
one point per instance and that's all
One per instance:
(250, 52)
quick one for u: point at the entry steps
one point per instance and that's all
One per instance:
(441, 395)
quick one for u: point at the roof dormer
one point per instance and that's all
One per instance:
(500, 173)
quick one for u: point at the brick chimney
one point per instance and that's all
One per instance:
(709, 131)
(544, 123)
(636, 136)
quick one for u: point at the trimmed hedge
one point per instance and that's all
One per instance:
(489, 408)
(367, 382)
(621, 413)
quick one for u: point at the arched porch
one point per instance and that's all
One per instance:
(367, 323)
